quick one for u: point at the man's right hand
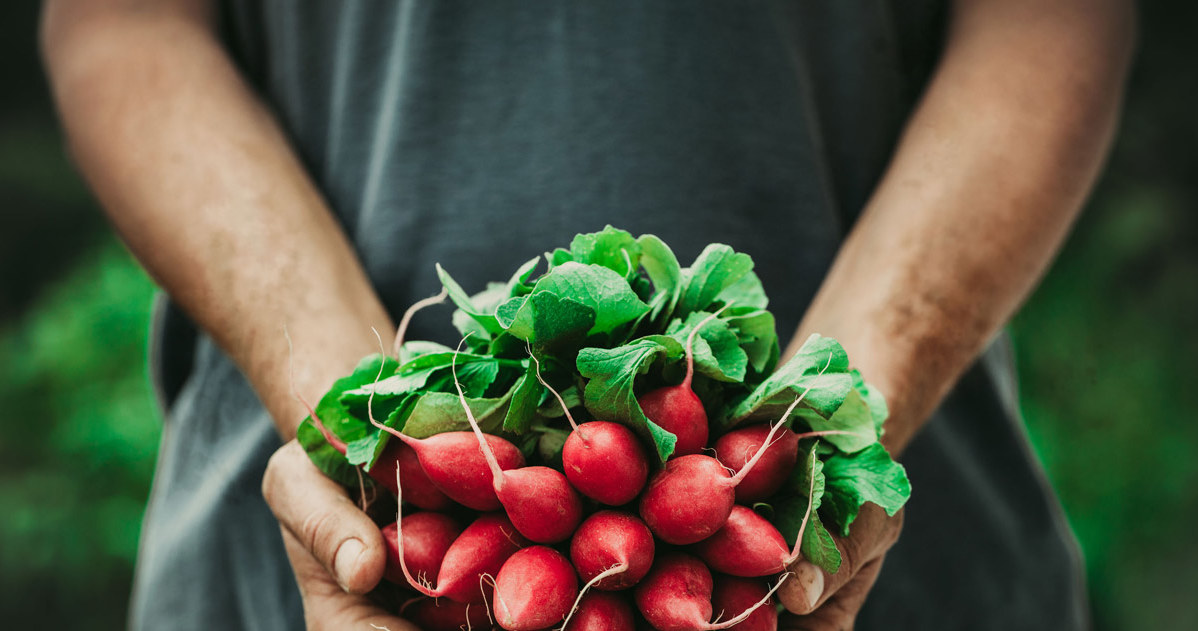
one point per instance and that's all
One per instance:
(337, 552)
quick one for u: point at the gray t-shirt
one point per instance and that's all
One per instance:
(479, 134)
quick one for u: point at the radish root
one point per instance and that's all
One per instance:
(744, 615)
(407, 317)
(560, 400)
(797, 551)
(492, 462)
(744, 470)
(611, 571)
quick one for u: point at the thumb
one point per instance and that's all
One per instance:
(320, 516)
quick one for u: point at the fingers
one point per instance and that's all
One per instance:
(873, 532)
(839, 612)
(326, 606)
(318, 514)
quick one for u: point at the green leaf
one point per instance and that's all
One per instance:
(659, 261)
(415, 348)
(820, 368)
(483, 302)
(611, 247)
(717, 350)
(518, 283)
(399, 384)
(546, 319)
(870, 475)
(874, 399)
(852, 416)
(605, 292)
(526, 396)
(717, 267)
(609, 394)
(437, 412)
(746, 292)
(818, 547)
(463, 302)
(757, 333)
(550, 444)
(557, 257)
(330, 461)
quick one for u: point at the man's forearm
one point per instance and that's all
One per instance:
(202, 185)
(988, 177)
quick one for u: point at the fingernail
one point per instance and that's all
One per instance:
(812, 581)
(346, 563)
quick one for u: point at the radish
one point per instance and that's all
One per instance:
(602, 611)
(539, 500)
(732, 594)
(446, 615)
(677, 409)
(603, 460)
(427, 536)
(747, 545)
(691, 497)
(480, 550)
(419, 490)
(534, 589)
(688, 500)
(676, 596)
(737, 447)
(454, 464)
(614, 544)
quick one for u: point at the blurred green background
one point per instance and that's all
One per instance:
(1107, 348)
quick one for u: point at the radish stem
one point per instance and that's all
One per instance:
(407, 317)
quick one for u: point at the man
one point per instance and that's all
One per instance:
(304, 164)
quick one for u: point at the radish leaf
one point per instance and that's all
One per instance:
(867, 476)
(609, 394)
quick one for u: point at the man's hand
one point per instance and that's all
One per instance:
(830, 602)
(335, 549)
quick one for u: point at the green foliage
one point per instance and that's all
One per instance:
(80, 437)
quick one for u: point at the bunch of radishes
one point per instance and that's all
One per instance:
(512, 514)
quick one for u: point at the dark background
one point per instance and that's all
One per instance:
(1107, 349)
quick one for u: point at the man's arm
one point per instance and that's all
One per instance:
(988, 177)
(202, 185)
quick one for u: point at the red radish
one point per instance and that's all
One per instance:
(419, 491)
(609, 540)
(427, 536)
(733, 594)
(738, 446)
(452, 461)
(539, 500)
(688, 500)
(677, 409)
(676, 596)
(691, 497)
(747, 545)
(480, 550)
(534, 589)
(603, 460)
(602, 611)
(446, 615)
(455, 464)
